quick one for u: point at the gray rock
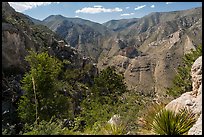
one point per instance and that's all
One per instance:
(197, 128)
(196, 73)
(115, 120)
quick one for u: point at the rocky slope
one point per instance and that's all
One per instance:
(146, 50)
(193, 99)
(118, 25)
(84, 35)
(149, 51)
(19, 34)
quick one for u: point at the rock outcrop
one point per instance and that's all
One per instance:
(192, 100)
(115, 120)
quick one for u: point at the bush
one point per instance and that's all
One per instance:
(102, 101)
(93, 111)
(129, 106)
(111, 129)
(53, 127)
(104, 128)
(150, 114)
(42, 99)
(167, 122)
(110, 84)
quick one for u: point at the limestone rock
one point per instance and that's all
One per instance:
(197, 128)
(115, 120)
(183, 101)
(196, 73)
(192, 100)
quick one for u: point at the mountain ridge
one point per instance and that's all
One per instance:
(144, 45)
(137, 46)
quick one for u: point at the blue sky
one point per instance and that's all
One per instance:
(99, 11)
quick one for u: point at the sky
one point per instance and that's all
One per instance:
(99, 12)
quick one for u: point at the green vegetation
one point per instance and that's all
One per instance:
(51, 92)
(101, 103)
(150, 113)
(52, 127)
(42, 99)
(131, 103)
(182, 81)
(167, 122)
(109, 83)
(112, 129)
(104, 128)
(87, 99)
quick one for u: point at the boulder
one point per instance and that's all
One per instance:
(115, 120)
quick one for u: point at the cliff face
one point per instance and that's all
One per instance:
(193, 99)
(19, 34)
(14, 45)
(149, 51)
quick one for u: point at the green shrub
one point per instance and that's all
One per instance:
(182, 81)
(42, 98)
(111, 129)
(104, 128)
(102, 101)
(93, 111)
(53, 127)
(129, 106)
(110, 84)
(150, 113)
(167, 122)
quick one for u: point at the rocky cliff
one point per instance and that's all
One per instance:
(193, 99)
(19, 34)
(149, 51)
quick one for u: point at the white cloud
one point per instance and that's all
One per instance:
(77, 16)
(152, 6)
(127, 14)
(98, 6)
(98, 9)
(22, 6)
(169, 2)
(140, 7)
(127, 7)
